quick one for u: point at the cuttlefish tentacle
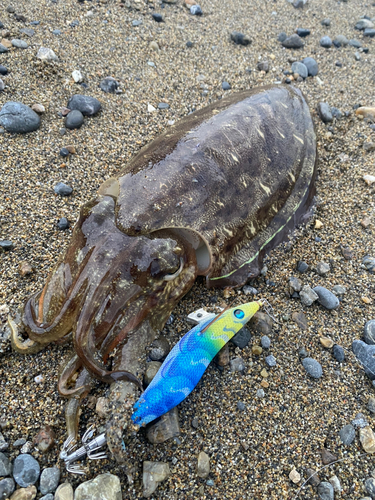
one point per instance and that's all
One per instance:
(83, 383)
(19, 345)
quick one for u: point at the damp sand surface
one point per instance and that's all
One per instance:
(251, 451)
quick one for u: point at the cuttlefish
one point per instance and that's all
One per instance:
(208, 197)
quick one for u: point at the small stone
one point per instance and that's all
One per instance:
(159, 349)
(300, 68)
(196, 10)
(366, 355)
(203, 467)
(347, 434)
(102, 407)
(249, 290)
(369, 263)
(313, 367)
(237, 364)
(5, 465)
(326, 298)
(360, 421)
(370, 486)
(49, 480)
(302, 267)
(226, 86)
(151, 370)
(347, 252)
(26, 470)
(325, 112)
(264, 373)
(87, 105)
(109, 85)
(363, 24)
(270, 361)
(265, 342)
(294, 476)
(56, 32)
(263, 66)
(28, 493)
(64, 152)
(163, 105)
(189, 44)
(45, 439)
(77, 76)
(241, 406)
(313, 477)
(19, 44)
(339, 290)
(282, 36)
(7, 486)
(63, 223)
(3, 49)
(74, 120)
(222, 358)
(293, 42)
(366, 112)
(38, 108)
(318, 224)
(241, 338)
(6, 246)
(261, 323)
(367, 439)
(300, 319)
(167, 427)
(49, 496)
(63, 189)
(3, 445)
(154, 46)
(336, 113)
(46, 54)
(369, 32)
(371, 404)
(153, 474)
(340, 41)
(102, 487)
(326, 22)
(27, 447)
(240, 38)
(326, 342)
(137, 22)
(327, 456)
(157, 17)
(27, 31)
(308, 296)
(325, 491)
(338, 353)
(369, 332)
(24, 268)
(260, 393)
(3, 70)
(303, 32)
(256, 350)
(322, 268)
(326, 42)
(18, 118)
(64, 492)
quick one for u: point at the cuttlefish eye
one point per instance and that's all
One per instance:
(239, 313)
(170, 277)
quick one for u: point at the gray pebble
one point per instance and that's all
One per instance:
(308, 296)
(7, 486)
(27, 31)
(369, 263)
(241, 338)
(340, 41)
(19, 44)
(370, 486)
(302, 353)
(265, 342)
(295, 285)
(363, 24)
(195, 423)
(226, 86)
(325, 491)
(137, 22)
(336, 113)
(371, 405)
(311, 65)
(303, 32)
(56, 32)
(3, 444)
(241, 406)
(196, 10)
(300, 68)
(366, 356)
(249, 290)
(74, 119)
(159, 349)
(260, 393)
(282, 36)
(109, 85)
(338, 353)
(63, 224)
(5, 465)
(322, 268)
(324, 111)
(302, 267)
(355, 43)
(49, 480)
(360, 421)
(6, 246)
(63, 189)
(369, 32)
(271, 361)
(263, 66)
(18, 118)
(357, 56)
(326, 298)
(293, 42)
(239, 38)
(26, 470)
(347, 434)
(210, 482)
(163, 105)
(87, 105)
(313, 367)
(3, 49)
(19, 442)
(237, 364)
(326, 42)
(369, 332)
(49, 496)
(326, 22)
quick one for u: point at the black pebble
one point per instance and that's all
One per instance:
(226, 86)
(189, 44)
(3, 70)
(338, 353)
(6, 245)
(157, 17)
(63, 224)
(338, 63)
(302, 267)
(64, 152)
(302, 32)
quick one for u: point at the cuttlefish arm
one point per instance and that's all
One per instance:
(19, 345)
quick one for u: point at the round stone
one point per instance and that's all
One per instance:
(189, 44)
(63, 189)
(239, 38)
(63, 224)
(6, 487)
(303, 32)
(157, 17)
(369, 332)
(196, 10)
(311, 65)
(109, 85)
(326, 298)
(163, 105)
(87, 105)
(326, 22)
(340, 40)
(64, 152)
(3, 70)
(283, 36)
(313, 367)
(338, 353)
(26, 470)
(260, 393)
(49, 480)
(369, 32)
(6, 246)
(293, 42)
(347, 434)
(270, 361)
(326, 491)
(19, 44)
(18, 118)
(370, 486)
(74, 119)
(226, 86)
(265, 342)
(241, 406)
(300, 68)
(326, 42)
(242, 337)
(302, 267)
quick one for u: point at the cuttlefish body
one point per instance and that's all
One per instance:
(208, 197)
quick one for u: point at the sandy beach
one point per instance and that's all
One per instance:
(253, 446)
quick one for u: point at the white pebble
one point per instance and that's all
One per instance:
(77, 76)
(39, 379)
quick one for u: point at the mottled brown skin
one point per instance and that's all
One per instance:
(208, 197)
